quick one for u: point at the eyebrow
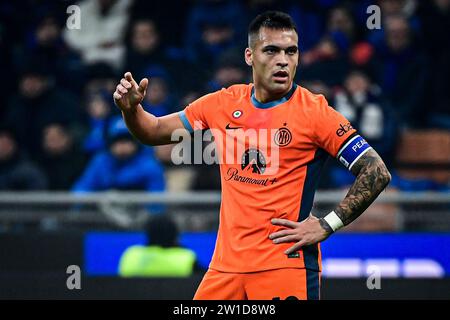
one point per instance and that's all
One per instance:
(277, 48)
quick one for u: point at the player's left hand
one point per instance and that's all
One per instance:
(307, 232)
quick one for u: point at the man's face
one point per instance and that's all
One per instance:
(397, 33)
(274, 58)
(123, 149)
(145, 38)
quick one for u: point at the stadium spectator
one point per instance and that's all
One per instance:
(102, 31)
(392, 8)
(308, 17)
(37, 103)
(162, 257)
(229, 70)
(342, 27)
(402, 72)
(60, 158)
(125, 165)
(325, 62)
(212, 27)
(157, 100)
(363, 105)
(45, 46)
(147, 53)
(17, 172)
(99, 111)
(144, 47)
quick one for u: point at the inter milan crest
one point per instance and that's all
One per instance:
(283, 137)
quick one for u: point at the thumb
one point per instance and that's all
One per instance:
(143, 85)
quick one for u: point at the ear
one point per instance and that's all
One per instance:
(248, 56)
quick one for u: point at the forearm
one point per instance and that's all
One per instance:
(372, 177)
(144, 126)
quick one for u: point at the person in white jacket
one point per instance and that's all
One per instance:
(102, 31)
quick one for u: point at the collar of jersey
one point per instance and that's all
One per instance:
(274, 103)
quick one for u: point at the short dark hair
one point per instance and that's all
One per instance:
(162, 231)
(270, 19)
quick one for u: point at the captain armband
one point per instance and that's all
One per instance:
(352, 150)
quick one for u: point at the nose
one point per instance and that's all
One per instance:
(282, 62)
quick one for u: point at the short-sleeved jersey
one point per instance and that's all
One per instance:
(301, 130)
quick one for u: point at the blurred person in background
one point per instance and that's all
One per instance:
(402, 72)
(124, 165)
(99, 112)
(147, 52)
(102, 31)
(157, 100)
(60, 157)
(363, 105)
(144, 47)
(44, 45)
(162, 256)
(325, 62)
(212, 27)
(99, 78)
(390, 8)
(38, 103)
(17, 172)
(228, 70)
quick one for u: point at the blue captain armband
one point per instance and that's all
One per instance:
(352, 150)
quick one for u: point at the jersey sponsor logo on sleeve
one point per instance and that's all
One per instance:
(352, 151)
(343, 129)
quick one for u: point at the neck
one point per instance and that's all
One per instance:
(263, 95)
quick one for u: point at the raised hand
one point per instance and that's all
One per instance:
(129, 94)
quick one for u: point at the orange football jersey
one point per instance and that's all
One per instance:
(274, 178)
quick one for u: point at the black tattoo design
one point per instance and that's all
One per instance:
(372, 177)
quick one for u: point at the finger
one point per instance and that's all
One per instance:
(289, 238)
(143, 85)
(125, 83)
(294, 248)
(281, 233)
(117, 96)
(121, 89)
(284, 222)
(129, 77)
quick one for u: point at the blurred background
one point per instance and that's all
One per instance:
(76, 189)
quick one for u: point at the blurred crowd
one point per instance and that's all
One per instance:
(59, 129)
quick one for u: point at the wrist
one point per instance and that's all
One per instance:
(331, 222)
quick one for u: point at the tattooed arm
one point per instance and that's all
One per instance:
(372, 177)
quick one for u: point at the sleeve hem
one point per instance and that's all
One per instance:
(185, 121)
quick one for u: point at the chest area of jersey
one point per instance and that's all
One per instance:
(258, 139)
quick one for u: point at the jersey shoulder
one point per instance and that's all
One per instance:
(311, 102)
(237, 91)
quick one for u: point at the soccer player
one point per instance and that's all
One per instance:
(268, 240)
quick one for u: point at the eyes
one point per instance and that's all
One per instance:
(272, 50)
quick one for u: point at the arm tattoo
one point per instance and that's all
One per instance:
(372, 177)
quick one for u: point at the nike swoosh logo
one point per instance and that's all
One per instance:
(232, 128)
